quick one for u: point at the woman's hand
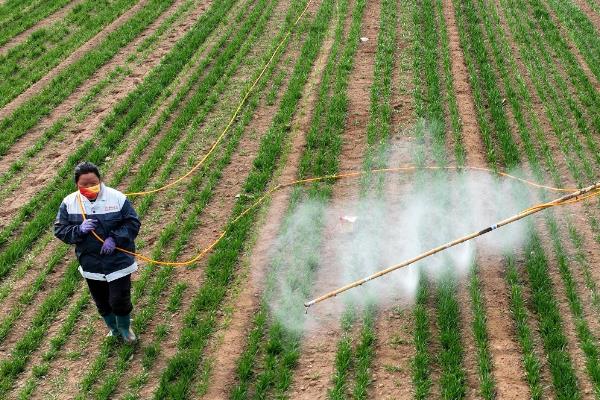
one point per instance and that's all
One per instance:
(88, 225)
(109, 246)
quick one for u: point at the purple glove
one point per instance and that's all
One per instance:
(109, 246)
(87, 225)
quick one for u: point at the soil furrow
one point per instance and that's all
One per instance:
(473, 143)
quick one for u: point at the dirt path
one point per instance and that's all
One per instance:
(76, 55)
(473, 143)
(56, 153)
(316, 363)
(232, 341)
(44, 23)
(394, 326)
(504, 348)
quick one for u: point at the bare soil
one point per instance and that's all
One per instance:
(473, 143)
(317, 357)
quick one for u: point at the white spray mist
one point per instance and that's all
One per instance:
(324, 246)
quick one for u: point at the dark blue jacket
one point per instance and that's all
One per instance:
(116, 218)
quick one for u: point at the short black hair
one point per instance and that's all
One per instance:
(85, 168)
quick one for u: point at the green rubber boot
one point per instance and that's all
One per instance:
(111, 322)
(124, 325)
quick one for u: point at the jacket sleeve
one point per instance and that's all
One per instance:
(64, 230)
(126, 233)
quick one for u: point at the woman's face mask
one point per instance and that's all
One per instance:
(89, 185)
(90, 192)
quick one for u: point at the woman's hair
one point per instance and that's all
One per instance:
(85, 168)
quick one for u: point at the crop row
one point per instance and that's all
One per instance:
(583, 103)
(344, 353)
(147, 313)
(432, 78)
(246, 364)
(106, 388)
(377, 138)
(581, 30)
(41, 209)
(164, 176)
(322, 151)
(378, 134)
(142, 144)
(151, 165)
(380, 118)
(13, 9)
(199, 322)
(426, 81)
(559, 360)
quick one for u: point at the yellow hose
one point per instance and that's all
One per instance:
(231, 121)
(346, 175)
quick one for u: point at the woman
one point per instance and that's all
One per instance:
(106, 270)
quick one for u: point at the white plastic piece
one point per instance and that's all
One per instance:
(349, 218)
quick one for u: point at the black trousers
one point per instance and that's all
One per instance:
(112, 297)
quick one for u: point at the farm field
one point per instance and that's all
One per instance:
(214, 116)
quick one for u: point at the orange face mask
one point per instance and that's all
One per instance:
(91, 192)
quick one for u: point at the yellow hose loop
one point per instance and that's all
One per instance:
(233, 117)
(346, 175)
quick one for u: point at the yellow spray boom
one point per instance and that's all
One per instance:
(579, 195)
